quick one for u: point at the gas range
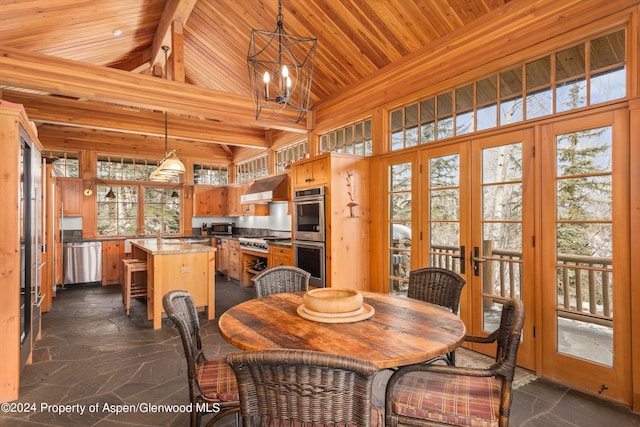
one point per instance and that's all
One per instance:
(257, 243)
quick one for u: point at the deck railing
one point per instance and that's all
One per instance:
(584, 282)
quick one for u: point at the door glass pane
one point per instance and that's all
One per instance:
(501, 229)
(399, 231)
(444, 212)
(584, 234)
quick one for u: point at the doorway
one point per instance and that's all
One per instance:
(478, 220)
(584, 254)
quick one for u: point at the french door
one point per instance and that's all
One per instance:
(478, 221)
(584, 254)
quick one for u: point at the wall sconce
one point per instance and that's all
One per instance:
(89, 191)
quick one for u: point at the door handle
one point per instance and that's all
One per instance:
(477, 261)
(462, 258)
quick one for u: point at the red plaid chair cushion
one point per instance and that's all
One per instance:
(376, 421)
(452, 399)
(217, 380)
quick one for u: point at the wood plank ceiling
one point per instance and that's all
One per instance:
(356, 38)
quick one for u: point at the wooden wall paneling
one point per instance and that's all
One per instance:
(348, 228)
(10, 262)
(635, 250)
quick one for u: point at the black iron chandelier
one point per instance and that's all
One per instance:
(281, 71)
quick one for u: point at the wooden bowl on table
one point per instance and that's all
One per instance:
(330, 300)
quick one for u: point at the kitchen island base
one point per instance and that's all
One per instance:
(177, 266)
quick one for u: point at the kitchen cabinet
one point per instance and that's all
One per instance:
(112, 255)
(71, 193)
(209, 201)
(255, 209)
(279, 255)
(347, 215)
(233, 202)
(311, 173)
(21, 263)
(222, 256)
(235, 208)
(235, 260)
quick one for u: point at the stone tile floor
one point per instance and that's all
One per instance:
(91, 356)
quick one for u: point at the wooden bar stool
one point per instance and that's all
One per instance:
(124, 263)
(130, 288)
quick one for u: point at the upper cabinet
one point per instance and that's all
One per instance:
(311, 173)
(71, 196)
(209, 201)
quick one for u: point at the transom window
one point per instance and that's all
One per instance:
(126, 168)
(352, 139)
(210, 174)
(64, 165)
(290, 154)
(585, 74)
(253, 169)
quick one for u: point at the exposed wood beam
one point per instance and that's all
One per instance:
(62, 111)
(74, 79)
(142, 146)
(174, 10)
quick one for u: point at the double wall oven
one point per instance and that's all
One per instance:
(309, 233)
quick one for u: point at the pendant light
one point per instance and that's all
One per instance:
(170, 166)
(281, 72)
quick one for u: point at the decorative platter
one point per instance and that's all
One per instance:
(365, 312)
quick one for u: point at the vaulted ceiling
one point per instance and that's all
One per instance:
(63, 61)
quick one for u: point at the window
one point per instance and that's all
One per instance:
(291, 154)
(140, 206)
(125, 168)
(210, 174)
(253, 169)
(64, 165)
(352, 139)
(399, 194)
(582, 75)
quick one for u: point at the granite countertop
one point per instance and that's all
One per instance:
(168, 247)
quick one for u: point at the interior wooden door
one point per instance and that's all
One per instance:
(585, 254)
(501, 252)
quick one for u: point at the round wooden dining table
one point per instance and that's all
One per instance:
(402, 330)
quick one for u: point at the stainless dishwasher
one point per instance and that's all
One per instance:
(82, 262)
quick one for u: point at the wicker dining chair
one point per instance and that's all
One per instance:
(301, 387)
(437, 286)
(427, 395)
(283, 278)
(212, 383)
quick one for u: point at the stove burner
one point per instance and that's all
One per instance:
(254, 244)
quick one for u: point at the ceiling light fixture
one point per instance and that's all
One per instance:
(281, 72)
(170, 166)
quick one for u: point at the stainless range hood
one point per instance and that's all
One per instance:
(272, 189)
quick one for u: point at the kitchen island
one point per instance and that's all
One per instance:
(178, 265)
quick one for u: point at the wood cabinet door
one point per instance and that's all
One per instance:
(218, 201)
(112, 254)
(233, 200)
(201, 200)
(71, 197)
(310, 174)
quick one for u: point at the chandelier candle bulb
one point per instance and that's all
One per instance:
(266, 79)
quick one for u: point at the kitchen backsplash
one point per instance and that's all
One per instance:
(277, 220)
